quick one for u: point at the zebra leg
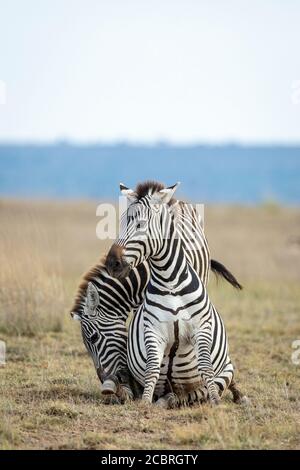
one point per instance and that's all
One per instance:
(202, 345)
(155, 352)
(168, 401)
(124, 393)
(126, 389)
(238, 397)
(199, 396)
(173, 400)
(224, 378)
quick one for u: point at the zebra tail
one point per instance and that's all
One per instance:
(219, 270)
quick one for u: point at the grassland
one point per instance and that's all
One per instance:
(49, 393)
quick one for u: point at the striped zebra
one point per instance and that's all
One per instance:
(103, 303)
(103, 306)
(189, 229)
(177, 340)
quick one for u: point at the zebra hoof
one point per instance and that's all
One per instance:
(215, 401)
(162, 403)
(126, 395)
(167, 402)
(109, 387)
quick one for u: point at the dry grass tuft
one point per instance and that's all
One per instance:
(31, 293)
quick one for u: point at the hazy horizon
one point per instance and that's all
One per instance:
(152, 143)
(209, 173)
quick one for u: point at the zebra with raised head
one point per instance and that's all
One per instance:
(177, 340)
(189, 228)
(103, 303)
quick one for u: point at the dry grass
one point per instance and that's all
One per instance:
(49, 392)
(31, 292)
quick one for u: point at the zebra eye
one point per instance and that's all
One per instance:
(141, 225)
(94, 338)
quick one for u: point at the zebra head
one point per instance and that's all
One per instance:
(104, 335)
(143, 229)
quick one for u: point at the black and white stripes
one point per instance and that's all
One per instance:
(176, 346)
(181, 340)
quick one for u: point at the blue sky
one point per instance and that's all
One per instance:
(141, 70)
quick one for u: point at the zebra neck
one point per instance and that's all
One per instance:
(170, 269)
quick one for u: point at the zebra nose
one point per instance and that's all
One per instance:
(116, 264)
(114, 258)
(109, 387)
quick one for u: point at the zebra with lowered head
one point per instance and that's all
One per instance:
(177, 340)
(104, 303)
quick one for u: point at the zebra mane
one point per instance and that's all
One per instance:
(150, 187)
(94, 272)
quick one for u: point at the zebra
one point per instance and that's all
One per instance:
(104, 331)
(189, 228)
(101, 318)
(177, 340)
(103, 306)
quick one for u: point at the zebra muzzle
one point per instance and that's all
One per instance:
(115, 264)
(109, 383)
(109, 387)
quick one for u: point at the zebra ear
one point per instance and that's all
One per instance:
(165, 195)
(129, 193)
(92, 296)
